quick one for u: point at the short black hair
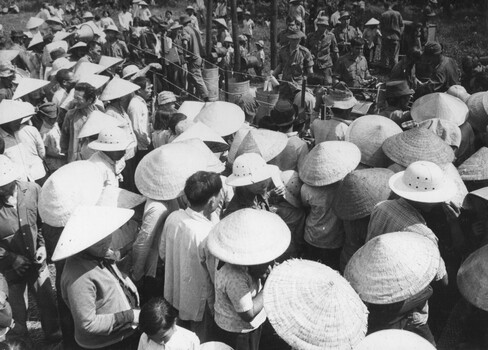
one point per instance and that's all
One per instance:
(357, 42)
(62, 75)
(202, 186)
(89, 90)
(142, 82)
(92, 44)
(155, 315)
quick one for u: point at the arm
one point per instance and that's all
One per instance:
(246, 306)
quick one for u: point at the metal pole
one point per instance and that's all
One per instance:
(235, 34)
(208, 39)
(274, 33)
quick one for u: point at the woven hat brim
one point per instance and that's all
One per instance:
(472, 278)
(394, 339)
(265, 173)
(225, 118)
(215, 345)
(340, 104)
(68, 66)
(436, 106)
(478, 110)
(442, 194)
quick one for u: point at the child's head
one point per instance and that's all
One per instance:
(157, 319)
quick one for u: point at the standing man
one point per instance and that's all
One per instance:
(93, 54)
(139, 116)
(391, 25)
(344, 33)
(323, 46)
(113, 46)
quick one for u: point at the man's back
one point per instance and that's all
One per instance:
(391, 24)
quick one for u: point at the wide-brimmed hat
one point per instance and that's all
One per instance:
(85, 68)
(61, 63)
(118, 88)
(393, 267)
(200, 131)
(175, 25)
(96, 122)
(87, 15)
(220, 21)
(293, 185)
(258, 43)
(163, 172)
(108, 61)
(372, 22)
(397, 88)
(397, 339)
(298, 34)
(478, 110)
(340, 97)
(167, 97)
(311, 306)
(249, 237)
(112, 28)
(472, 278)
(283, 113)
(268, 144)
(111, 139)
(343, 14)
(129, 71)
(28, 85)
(440, 105)
(223, 117)
(95, 80)
(74, 184)
(417, 144)
(475, 168)
(368, 133)
(329, 162)
(213, 163)
(119, 198)
(447, 130)
(89, 225)
(48, 109)
(79, 44)
(36, 40)
(62, 34)
(8, 55)
(189, 7)
(7, 69)
(215, 345)
(250, 168)
(322, 20)
(360, 191)
(34, 22)
(458, 91)
(423, 182)
(8, 171)
(11, 110)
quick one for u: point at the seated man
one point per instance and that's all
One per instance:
(352, 68)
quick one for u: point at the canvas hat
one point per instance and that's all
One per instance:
(248, 169)
(268, 144)
(322, 20)
(329, 162)
(228, 39)
(112, 28)
(162, 173)
(143, 3)
(475, 168)
(215, 345)
(96, 122)
(129, 71)
(108, 61)
(8, 55)
(200, 131)
(440, 105)
(242, 38)
(372, 22)
(119, 198)
(28, 85)
(61, 63)
(36, 40)
(89, 225)
(223, 117)
(57, 49)
(397, 88)
(111, 139)
(258, 43)
(423, 182)
(34, 22)
(88, 15)
(189, 7)
(368, 133)
(472, 278)
(478, 110)
(8, 170)
(283, 113)
(48, 109)
(344, 14)
(340, 97)
(293, 185)
(167, 97)
(397, 339)
(311, 306)
(74, 184)
(118, 88)
(393, 267)
(213, 163)
(11, 110)
(360, 191)
(85, 68)
(221, 22)
(458, 91)
(445, 129)
(7, 69)
(79, 44)
(417, 144)
(249, 237)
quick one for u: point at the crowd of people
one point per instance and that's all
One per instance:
(142, 212)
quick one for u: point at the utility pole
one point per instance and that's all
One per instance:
(208, 39)
(274, 34)
(235, 34)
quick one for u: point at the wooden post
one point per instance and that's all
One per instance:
(226, 85)
(274, 33)
(235, 34)
(208, 39)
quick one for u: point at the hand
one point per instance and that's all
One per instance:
(21, 264)
(156, 66)
(136, 315)
(451, 210)
(280, 190)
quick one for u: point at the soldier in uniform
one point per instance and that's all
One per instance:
(352, 68)
(294, 61)
(344, 33)
(323, 46)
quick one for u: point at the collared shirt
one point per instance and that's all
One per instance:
(123, 117)
(391, 24)
(293, 63)
(343, 36)
(248, 26)
(321, 45)
(51, 135)
(333, 129)
(125, 20)
(30, 137)
(139, 116)
(59, 96)
(17, 152)
(323, 229)
(352, 70)
(109, 169)
(292, 157)
(181, 339)
(187, 284)
(144, 14)
(445, 75)
(118, 48)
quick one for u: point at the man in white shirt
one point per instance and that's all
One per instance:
(125, 21)
(139, 116)
(66, 81)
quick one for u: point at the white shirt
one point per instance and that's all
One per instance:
(59, 96)
(125, 20)
(107, 168)
(139, 116)
(30, 137)
(181, 339)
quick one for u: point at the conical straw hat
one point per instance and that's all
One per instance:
(369, 133)
(478, 110)
(85, 68)
(191, 108)
(312, 307)
(213, 163)
(440, 105)
(11, 110)
(119, 198)
(77, 183)
(59, 44)
(268, 144)
(236, 142)
(96, 122)
(249, 237)
(449, 132)
(393, 267)
(472, 278)
(360, 191)
(394, 339)
(95, 80)
(108, 61)
(61, 63)
(417, 144)
(225, 118)
(208, 136)
(8, 55)
(215, 345)
(117, 88)
(89, 225)
(163, 172)
(293, 185)
(329, 162)
(372, 22)
(61, 35)
(458, 91)
(34, 22)
(475, 167)
(36, 39)
(77, 45)
(28, 85)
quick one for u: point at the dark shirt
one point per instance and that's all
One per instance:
(444, 75)
(391, 24)
(244, 199)
(321, 45)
